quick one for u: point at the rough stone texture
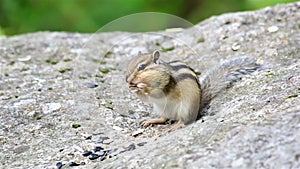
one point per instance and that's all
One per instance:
(47, 85)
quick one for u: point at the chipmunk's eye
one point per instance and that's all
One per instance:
(142, 67)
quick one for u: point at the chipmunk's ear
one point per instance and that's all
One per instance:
(155, 56)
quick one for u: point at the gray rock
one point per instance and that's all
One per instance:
(254, 124)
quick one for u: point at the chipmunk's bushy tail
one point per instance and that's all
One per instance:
(219, 78)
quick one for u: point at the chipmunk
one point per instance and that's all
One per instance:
(174, 88)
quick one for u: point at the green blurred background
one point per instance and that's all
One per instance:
(87, 16)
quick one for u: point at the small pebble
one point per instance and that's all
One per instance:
(86, 153)
(142, 143)
(50, 107)
(130, 147)
(24, 58)
(91, 85)
(98, 148)
(137, 132)
(78, 148)
(101, 139)
(93, 156)
(134, 116)
(59, 165)
(103, 153)
(235, 46)
(21, 149)
(117, 128)
(72, 164)
(273, 29)
(108, 141)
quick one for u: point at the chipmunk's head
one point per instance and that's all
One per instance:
(144, 73)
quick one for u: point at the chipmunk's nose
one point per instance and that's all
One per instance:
(129, 79)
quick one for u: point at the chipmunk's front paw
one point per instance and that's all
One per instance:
(150, 122)
(146, 123)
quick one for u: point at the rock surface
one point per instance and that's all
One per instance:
(64, 93)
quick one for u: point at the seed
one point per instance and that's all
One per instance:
(75, 125)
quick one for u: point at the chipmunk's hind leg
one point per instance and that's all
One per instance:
(176, 126)
(150, 122)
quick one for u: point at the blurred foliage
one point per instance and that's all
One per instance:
(22, 16)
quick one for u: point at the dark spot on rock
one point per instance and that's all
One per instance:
(130, 147)
(227, 22)
(59, 165)
(111, 151)
(142, 143)
(82, 163)
(93, 156)
(88, 137)
(72, 164)
(102, 158)
(86, 153)
(37, 116)
(98, 148)
(60, 150)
